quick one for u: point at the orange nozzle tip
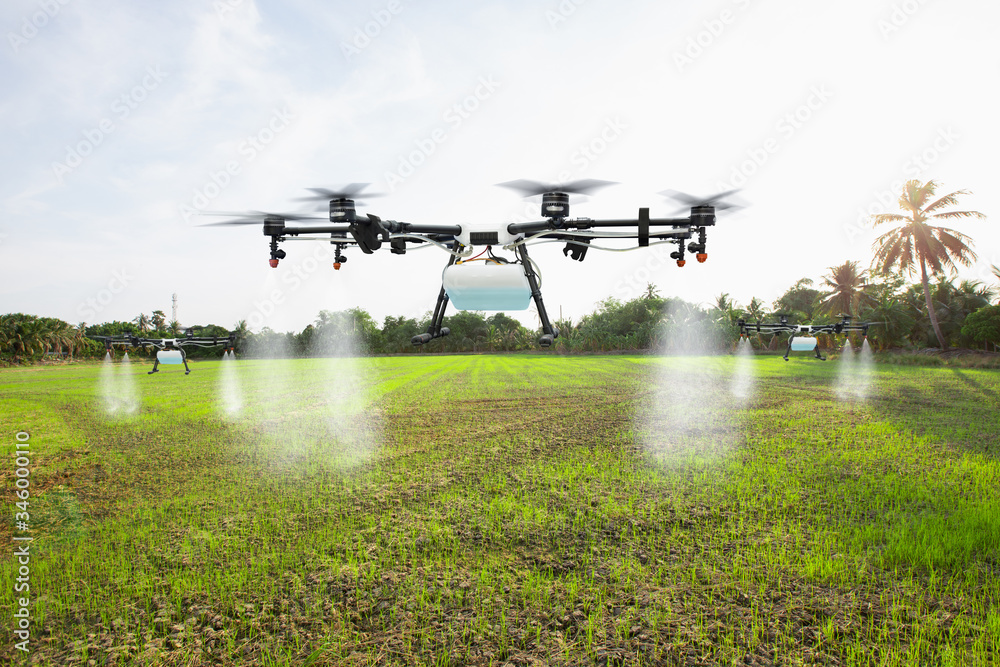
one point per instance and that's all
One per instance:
(702, 256)
(273, 263)
(681, 262)
(336, 266)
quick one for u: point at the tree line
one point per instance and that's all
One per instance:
(964, 312)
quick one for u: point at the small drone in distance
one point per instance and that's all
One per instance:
(808, 341)
(496, 282)
(169, 350)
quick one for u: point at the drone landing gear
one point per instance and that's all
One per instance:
(435, 330)
(816, 350)
(156, 364)
(549, 332)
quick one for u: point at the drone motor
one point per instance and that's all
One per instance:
(342, 210)
(555, 205)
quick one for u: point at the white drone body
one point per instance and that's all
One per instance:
(484, 233)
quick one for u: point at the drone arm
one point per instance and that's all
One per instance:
(390, 226)
(118, 340)
(325, 229)
(563, 235)
(583, 223)
(653, 222)
(395, 227)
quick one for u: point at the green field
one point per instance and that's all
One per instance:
(520, 510)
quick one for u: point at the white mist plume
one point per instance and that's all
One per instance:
(119, 393)
(106, 382)
(845, 373)
(229, 387)
(863, 373)
(345, 388)
(855, 374)
(744, 380)
(691, 407)
(272, 397)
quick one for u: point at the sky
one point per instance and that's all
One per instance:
(122, 122)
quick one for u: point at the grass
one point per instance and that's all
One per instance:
(511, 510)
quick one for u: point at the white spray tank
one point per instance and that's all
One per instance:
(170, 357)
(487, 286)
(803, 343)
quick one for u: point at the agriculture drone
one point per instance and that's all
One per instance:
(497, 283)
(169, 350)
(804, 343)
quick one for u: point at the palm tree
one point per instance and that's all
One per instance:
(847, 290)
(893, 321)
(723, 303)
(142, 322)
(915, 244)
(29, 336)
(241, 332)
(158, 320)
(79, 334)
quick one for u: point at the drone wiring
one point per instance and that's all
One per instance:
(595, 247)
(430, 240)
(501, 260)
(473, 259)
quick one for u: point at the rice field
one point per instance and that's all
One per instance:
(504, 510)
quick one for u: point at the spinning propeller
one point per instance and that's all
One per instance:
(555, 196)
(349, 191)
(717, 201)
(530, 188)
(256, 217)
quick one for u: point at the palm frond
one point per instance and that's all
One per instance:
(950, 199)
(916, 194)
(955, 243)
(949, 215)
(887, 217)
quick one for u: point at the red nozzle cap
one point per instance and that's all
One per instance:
(273, 263)
(681, 262)
(702, 256)
(336, 266)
